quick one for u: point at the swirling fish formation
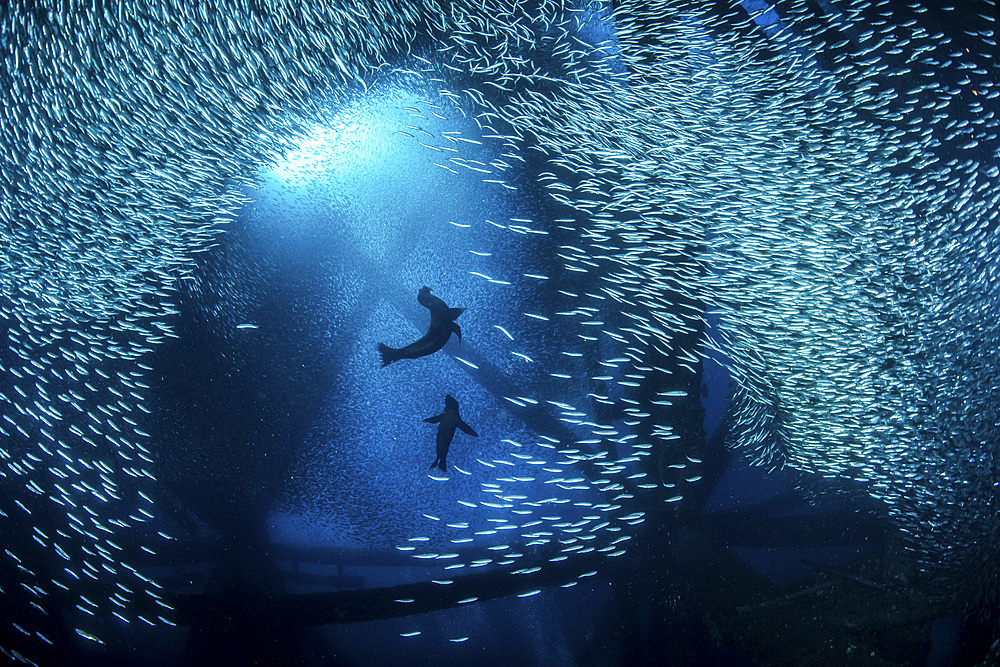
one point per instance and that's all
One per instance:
(824, 183)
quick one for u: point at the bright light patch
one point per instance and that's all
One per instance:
(310, 160)
(359, 135)
(324, 150)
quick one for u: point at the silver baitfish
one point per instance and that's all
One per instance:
(823, 185)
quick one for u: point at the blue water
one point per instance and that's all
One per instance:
(292, 463)
(322, 265)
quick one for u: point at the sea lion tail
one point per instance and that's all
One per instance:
(439, 463)
(388, 354)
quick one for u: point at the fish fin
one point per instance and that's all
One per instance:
(467, 429)
(453, 313)
(455, 329)
(434, 420)
(388, 354)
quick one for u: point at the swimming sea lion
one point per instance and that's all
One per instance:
(441, 327)
(448, 421)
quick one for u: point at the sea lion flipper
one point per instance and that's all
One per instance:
(388, 354)
(453, 313)
(467, 429)
(457, 330)
(434, 420)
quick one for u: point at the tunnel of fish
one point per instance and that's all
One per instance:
(211, 217)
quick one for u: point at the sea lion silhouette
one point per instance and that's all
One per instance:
(447, 422)
(441, 328)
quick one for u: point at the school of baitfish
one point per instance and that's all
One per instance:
(820, 180)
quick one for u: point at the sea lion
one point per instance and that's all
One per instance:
(447, 422)
(441, 328)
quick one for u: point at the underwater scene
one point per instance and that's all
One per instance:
(499, 332)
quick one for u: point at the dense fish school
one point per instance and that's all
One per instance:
(818, 190)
